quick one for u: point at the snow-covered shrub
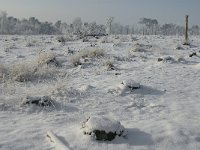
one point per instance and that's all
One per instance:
(10, 46)
(45, 72)
(103, 128)
(22, 71)
(124, 39)
(167, 59)
(85, 39)
(75, 60)
(106, 39)
(95, 52)
(47, 58)
(3, 73)
(138, 48)
(92, 52)
(29, 71)
(61, 39)
(109, 65)
(179, 47)
(30, 43)
(181, 59)
(44, 101)
(103, 40)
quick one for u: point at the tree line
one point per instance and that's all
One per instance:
(32, 26)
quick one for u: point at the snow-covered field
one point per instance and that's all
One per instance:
(164, 113)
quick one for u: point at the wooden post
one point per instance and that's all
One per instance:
(186, 31)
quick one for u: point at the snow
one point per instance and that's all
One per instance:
(102, 124)
(163, 113)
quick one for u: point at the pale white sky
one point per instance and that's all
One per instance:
(124, 11)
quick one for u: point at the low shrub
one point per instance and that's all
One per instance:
(87, 53)
(3, 73)
(47, 58)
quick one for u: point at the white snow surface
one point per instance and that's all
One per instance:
(162, 114)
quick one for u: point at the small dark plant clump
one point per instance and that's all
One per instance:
(186, 43)
(160, 59)
(53, 61)
(77, 63)
(110, 66)
(102, 135)
(44, 101)
(193, 54)
(61, 39)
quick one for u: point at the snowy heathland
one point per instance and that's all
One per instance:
(149, 83)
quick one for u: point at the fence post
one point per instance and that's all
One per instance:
(186, 31)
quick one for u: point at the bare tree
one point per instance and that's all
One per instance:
(3, 17)
(150, 24)
(109, 21)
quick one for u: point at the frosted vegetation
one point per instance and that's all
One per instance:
(95, 87)
(145, 26)
(104, 92)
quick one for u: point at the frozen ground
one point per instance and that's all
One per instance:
(164, 113)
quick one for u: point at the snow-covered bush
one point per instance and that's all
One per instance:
(125, 39)
(106, 39)
(22, 71)
(3, 73)
(178, 47)
(92, 52)
(167, 59)
(30, 43)
(181, 59)
(61, 39)
(44, 101)
(45, 72)
(138, 48)
(47, 58)
(109, 65)
(103, 128)
(10, 46)
(75, 60)
(30, 71)
(35, 69)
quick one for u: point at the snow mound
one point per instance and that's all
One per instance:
(167, 59)
(131, 84)
(84, 88)
(180, 59)
(103, 128)
(177, 46)
(125, 86)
